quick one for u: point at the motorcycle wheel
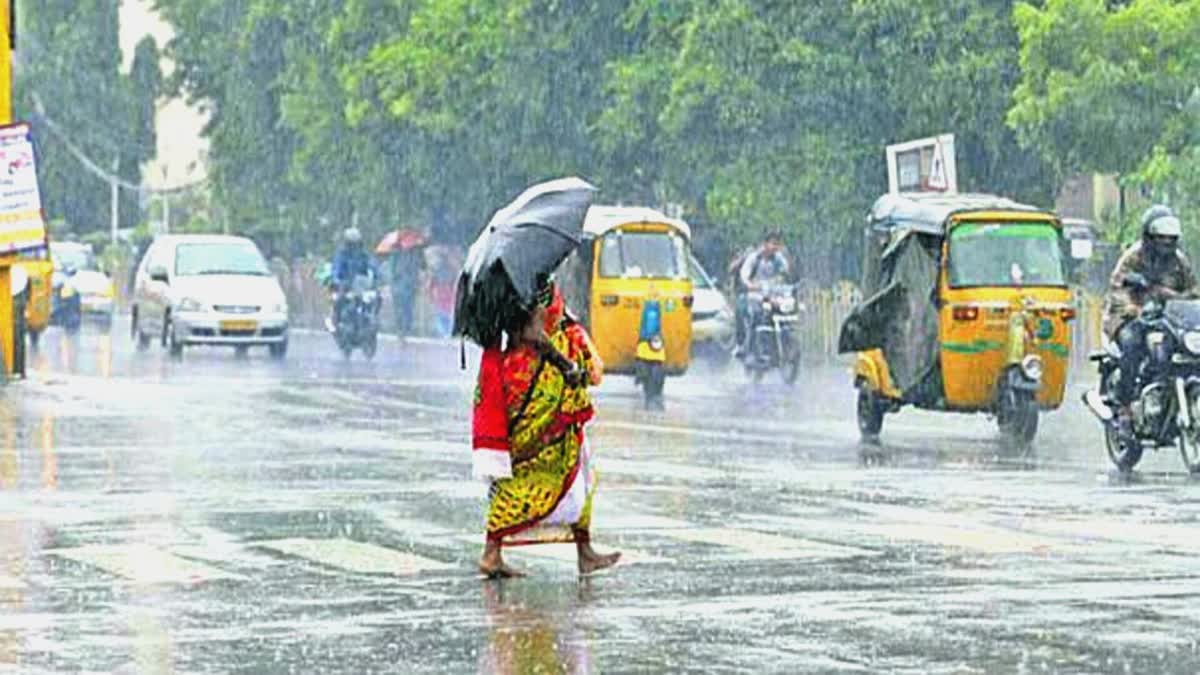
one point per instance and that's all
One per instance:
(870, 414)
(1189, 441)
(790, 369)
(370, 345)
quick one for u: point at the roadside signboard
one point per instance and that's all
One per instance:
(21, 224)
(924, 165)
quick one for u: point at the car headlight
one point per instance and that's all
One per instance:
(1191, 340)
(191, 305)
(1032, 367)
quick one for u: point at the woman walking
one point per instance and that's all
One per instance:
(531, 406)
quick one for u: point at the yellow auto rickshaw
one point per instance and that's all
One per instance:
(631, 283)
(38, 303)
(967, 309)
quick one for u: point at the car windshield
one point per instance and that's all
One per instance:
(700, 278)
(220, 258)
(1005, 254)
(642, 255)
(77, 257)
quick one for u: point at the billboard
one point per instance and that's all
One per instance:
(924, 165)
(21, 224)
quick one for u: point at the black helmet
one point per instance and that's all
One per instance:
(1160, 221)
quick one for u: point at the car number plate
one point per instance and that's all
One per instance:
(239, 325)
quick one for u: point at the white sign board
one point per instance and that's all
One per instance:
(21, 224)
(1081, 249)
(924, 165)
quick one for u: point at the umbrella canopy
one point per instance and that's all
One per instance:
(400, 240)
(522, 245)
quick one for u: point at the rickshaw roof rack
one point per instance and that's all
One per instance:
(928, 212)
(601, 220)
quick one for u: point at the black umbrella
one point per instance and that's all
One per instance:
(521, 246)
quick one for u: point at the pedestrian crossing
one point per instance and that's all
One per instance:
(412, 547)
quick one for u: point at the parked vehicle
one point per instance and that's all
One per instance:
(208, 290)
(713, 329)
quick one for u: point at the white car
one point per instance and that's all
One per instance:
(713, 329)
(208, 290)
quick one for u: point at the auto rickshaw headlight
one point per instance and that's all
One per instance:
(1032, 367)
(1191, 341)
(656, 342)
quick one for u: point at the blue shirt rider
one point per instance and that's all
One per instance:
(351, 260)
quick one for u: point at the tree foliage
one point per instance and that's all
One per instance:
(746, 115)
(69, 74)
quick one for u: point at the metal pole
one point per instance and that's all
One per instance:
(115, 197)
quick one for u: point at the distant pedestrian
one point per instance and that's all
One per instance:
(405, 248)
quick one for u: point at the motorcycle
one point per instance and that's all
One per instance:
(355, 321)
(776, 333)
(1166, 410)
(66, 305)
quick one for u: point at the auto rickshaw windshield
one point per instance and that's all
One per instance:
(1005, 254)
(642, 255)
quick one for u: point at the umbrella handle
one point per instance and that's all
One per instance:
(572, 373)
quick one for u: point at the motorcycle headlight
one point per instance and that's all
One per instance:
(1032, 367)
(369, 297)
(1191, 340)
(787, 305)
(191, 305)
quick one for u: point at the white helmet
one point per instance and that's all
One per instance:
(351, 235)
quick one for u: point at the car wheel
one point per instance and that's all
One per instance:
(174, 346)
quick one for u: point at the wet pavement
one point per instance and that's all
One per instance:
(226, 515)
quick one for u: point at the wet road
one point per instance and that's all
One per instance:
(223, 515)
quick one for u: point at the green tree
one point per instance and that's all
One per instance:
(69, 75)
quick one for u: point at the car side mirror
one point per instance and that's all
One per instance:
(158, 273)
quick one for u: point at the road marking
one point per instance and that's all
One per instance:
(983, 539)
(143, 564)
(761, 546)
(354, 556)
(1156, 535)
(641, 468)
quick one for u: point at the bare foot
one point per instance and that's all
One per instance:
(500, 571)
(492, 566)
(594, 562)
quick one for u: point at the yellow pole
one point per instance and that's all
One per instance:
(7, 345)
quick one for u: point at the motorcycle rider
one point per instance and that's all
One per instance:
(349, 261)
(1168, 274)
(766, 264)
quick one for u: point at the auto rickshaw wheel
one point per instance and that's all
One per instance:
(654, 380)
(870, 414)
(1017, 418)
